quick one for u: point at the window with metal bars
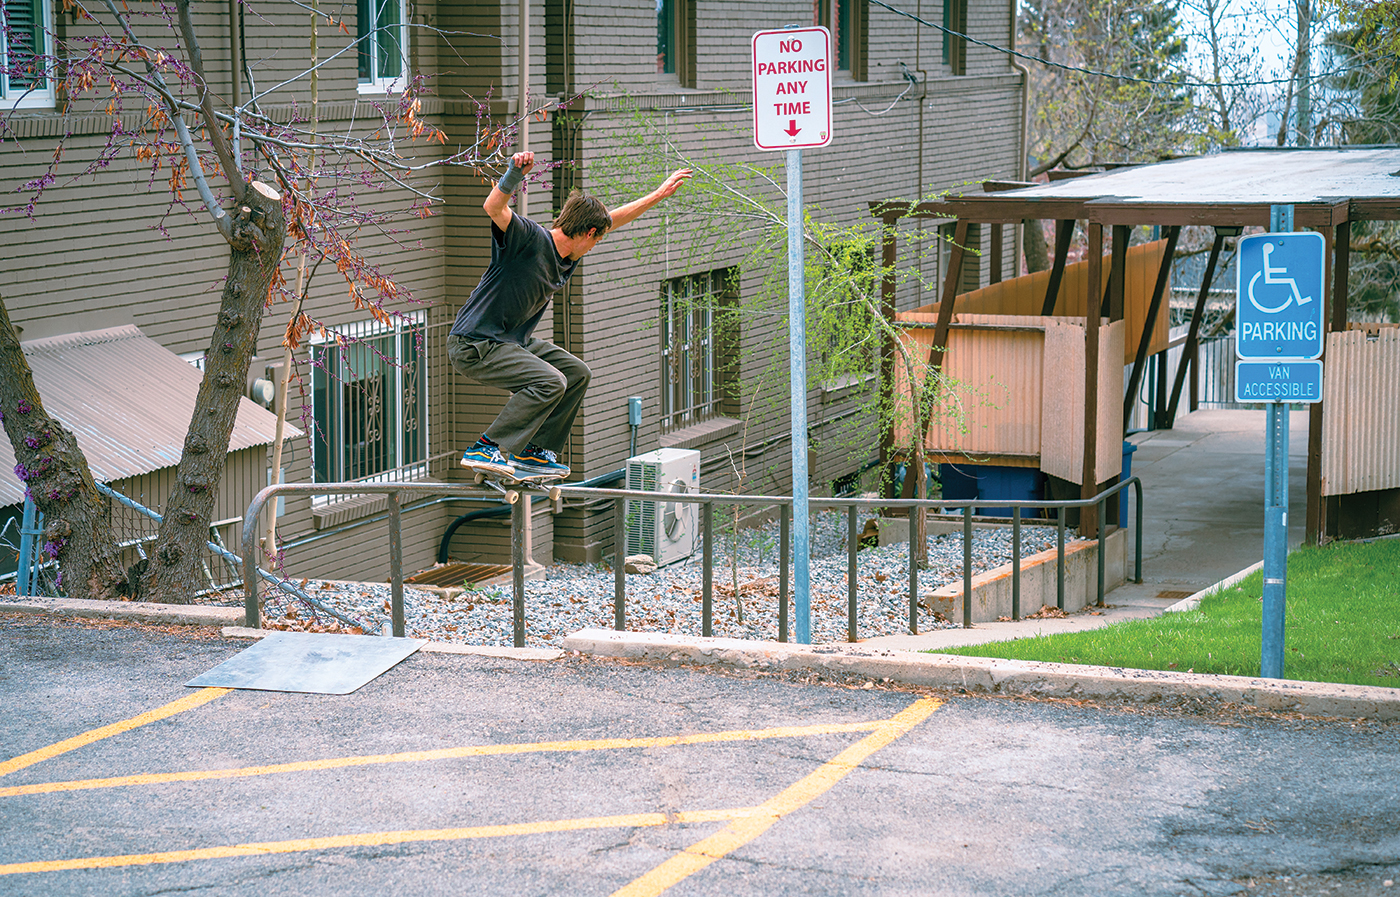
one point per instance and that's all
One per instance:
(24, 43)
(383, 44)
(370, 403)
(692, 373)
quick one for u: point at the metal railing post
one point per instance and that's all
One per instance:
(1137, 569)
(619, 564)
(1060, 558)
(913, 577)
(517, 562)
(967, 568)
(252, 609)
(707, 573)
(396, 565)
(784, 534)
(1099, 509)
(852, 546)
(1016, 562)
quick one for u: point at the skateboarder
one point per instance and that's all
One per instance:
(491, 339)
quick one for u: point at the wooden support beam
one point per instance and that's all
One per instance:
(1088, 517)
(1064, 233)
(1153, 309)
(1118, 272)
(1193, 333)
(951, 281)
(994, 263)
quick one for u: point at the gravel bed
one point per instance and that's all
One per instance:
(573, 597)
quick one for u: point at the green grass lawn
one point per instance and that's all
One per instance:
(1342, 625)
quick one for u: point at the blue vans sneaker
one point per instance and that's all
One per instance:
(536, 463)
(487, 458)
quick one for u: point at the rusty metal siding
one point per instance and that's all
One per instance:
(128, 399)
(1361, 412)
(994, 389)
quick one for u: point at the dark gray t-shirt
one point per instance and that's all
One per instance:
(525, 271)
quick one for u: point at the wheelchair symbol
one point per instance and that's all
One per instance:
(1276, 276)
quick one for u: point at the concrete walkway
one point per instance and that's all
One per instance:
(1203, 521)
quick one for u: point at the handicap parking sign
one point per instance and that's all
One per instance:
(1279, 299)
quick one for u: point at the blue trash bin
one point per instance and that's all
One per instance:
(1128, 449)
(1010, 484)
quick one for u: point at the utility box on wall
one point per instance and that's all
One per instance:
(666, 530)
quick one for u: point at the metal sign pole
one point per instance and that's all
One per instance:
(1275, 542)
(797, 342)
(1275, 513)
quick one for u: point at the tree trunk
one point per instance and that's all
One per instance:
(174, 571)
(55, 473)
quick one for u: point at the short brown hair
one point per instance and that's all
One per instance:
(582, 213)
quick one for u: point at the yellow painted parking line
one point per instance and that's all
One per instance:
(376, 839)
(744, 829)
(189, 702)
(485, 750)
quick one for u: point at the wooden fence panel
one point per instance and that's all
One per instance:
(1025, 295)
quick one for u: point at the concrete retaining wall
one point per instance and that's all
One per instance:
(991, 591)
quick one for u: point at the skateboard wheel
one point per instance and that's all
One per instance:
(554, 493)
(512, 497)
(479, 478)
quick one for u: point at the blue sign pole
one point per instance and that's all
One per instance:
(797, 340)
(1275, 542)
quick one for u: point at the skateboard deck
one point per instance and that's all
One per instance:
(509, 486)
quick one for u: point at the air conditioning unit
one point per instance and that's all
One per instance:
(666, 530)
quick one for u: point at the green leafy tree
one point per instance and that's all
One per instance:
(737, 210)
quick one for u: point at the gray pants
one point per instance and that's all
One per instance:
(546, 385)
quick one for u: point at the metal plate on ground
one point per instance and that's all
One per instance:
(309, 662)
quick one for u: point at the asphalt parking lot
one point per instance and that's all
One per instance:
(459, 774)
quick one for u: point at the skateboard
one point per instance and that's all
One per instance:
(510, 486)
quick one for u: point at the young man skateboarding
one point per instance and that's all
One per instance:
(491, 339)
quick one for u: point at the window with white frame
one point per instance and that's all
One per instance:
(383, 45)
(370, 402)
(24, 44)
(693, 365)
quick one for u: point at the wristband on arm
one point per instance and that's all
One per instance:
(511, 179)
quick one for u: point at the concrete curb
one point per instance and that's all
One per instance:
(1191, 602)
(434, 647)
(228, 619)
(140, 611)
(997, 677)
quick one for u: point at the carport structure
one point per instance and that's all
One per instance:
(1354, 434)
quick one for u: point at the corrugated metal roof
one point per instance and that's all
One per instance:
(1242, 176)
(129, 401)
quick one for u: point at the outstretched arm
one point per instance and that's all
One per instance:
(633, 210)
(497, 203)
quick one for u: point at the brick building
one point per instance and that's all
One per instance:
(915, 111)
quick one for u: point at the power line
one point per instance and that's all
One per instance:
(1073, 68)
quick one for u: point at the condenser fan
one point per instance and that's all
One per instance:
(673, 512)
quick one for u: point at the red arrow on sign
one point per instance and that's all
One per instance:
(792, 128)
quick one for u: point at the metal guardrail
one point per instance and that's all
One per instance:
(394, 491)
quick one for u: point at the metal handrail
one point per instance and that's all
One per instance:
(394, 491)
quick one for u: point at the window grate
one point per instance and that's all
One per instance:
(689, 388)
